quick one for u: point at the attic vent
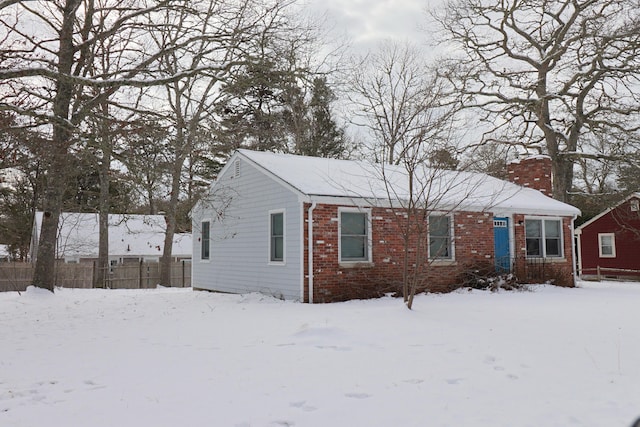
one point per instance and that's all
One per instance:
(500, 223)
(236, 170)
(635, 205)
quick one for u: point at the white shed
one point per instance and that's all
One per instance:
(132, 238)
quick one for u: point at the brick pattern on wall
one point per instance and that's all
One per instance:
(533, 172)
(473, 244)
(535, 271)
(473, 248)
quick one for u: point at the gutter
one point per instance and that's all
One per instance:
(574, 249)
(310, 248)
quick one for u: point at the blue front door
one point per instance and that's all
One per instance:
(501, 244)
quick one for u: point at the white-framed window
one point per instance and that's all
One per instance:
(205, 240)
(276, 236)
(635, 205)
(354, 235)
(440, 237)
(543, 237)
(607, 245)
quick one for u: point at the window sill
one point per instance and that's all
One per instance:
(356, 264)
(442, 262)
(277, 263)
(548, 259)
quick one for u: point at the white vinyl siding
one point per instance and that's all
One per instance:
(607, 245)
(240, 258)
(543, 238)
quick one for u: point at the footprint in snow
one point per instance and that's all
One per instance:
(454, 381)
(489, 360)
(357, 395)
(302, 405)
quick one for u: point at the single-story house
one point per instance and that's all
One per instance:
(608, 243)
(132, 238)
(321, 230)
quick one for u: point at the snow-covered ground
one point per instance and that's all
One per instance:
(173, 357)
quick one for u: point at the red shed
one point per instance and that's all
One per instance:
(609, 243)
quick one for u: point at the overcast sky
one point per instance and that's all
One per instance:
(369, 21)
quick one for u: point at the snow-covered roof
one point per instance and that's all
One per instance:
(9, 177)
(322, 177)
(4, 251)
(606, 211)
(129, 235)
(533, 157)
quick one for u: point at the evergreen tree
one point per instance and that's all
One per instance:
(252, 109)
(325, 138)
(270, 109)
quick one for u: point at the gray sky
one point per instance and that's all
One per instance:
(367, 22)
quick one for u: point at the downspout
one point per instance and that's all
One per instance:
(310, 249)
(573, 251)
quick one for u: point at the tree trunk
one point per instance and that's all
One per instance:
(562, 178)
(102, 270)
(44, 274)
(170, 219)
(103, 215)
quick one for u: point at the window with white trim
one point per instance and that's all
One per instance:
(543, 238)
(355, 236)
(276, 236)
(440, 242)
(205, 240)
(635, 205)
(607, 245)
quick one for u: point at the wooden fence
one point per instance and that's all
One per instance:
(16, 276)
(600, 273)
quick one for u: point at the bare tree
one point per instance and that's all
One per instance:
(50, 79)
(427, 196)
(544, 74)
(399, 101)
(412, 118)
(227, 33)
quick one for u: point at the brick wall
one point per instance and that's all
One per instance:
(538, 270)
(473, 245)
(533, 172)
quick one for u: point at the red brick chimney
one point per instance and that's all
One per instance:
(533, 172)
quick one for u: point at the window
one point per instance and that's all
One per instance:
(543, 238)
(440, 237)
(607, 245)
(354, 236)
(635, 205)
(205, 240)
(276, 244)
